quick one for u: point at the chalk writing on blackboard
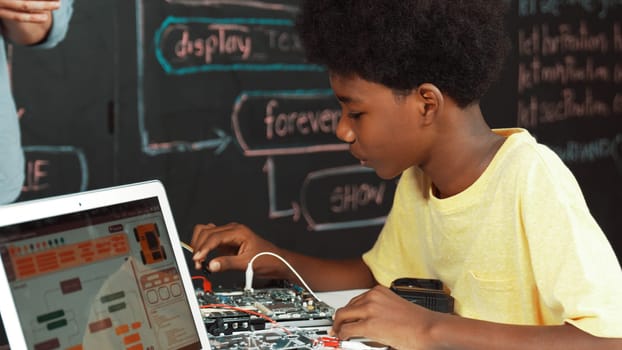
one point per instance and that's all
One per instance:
(568, 60)
(183, 46)
(269, 5)
(574, 60)
(336, 198)
(50, 170)
(555, 7)
(352, 197)
(198, 90)
(292, 122)
(189, 45)
(586, 152)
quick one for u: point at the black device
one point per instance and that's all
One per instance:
(426, 292)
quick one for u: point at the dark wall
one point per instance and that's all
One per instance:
(180, 90)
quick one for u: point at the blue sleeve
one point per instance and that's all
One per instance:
(11, 155)
(60, 25)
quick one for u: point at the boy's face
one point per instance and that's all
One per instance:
(384, 130)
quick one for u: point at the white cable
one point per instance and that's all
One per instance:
(187, 247)
(354, 345)
(249, 273)
(249, 269)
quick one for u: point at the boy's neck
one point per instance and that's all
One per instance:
(463, 152)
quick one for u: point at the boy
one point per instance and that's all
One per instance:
(493, 214)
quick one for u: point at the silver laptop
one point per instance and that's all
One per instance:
(101, 269)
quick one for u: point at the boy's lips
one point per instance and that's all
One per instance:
(361, 159)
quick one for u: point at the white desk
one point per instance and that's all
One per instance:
(339, 298)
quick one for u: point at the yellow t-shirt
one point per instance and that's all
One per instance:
(518, 246)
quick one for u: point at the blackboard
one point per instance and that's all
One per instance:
(215, 99)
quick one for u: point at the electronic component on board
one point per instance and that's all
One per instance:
(228, 312)
(273, 339)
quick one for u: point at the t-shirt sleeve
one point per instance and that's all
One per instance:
(575, 267)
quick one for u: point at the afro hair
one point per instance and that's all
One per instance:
(458, 45)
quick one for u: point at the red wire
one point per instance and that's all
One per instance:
(207, 285)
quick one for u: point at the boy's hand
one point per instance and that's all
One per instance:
(234, 243)
(383, 316)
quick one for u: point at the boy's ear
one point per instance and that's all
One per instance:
(429, 99)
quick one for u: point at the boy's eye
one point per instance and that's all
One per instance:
(355, 115)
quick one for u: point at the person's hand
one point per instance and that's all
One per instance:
(383, 316)
(27, 11)
(234, 244)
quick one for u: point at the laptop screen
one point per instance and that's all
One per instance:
(103, 278)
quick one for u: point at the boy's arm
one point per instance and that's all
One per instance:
(461, 333)
(381, 315)
(327, 275)
(235, 245)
